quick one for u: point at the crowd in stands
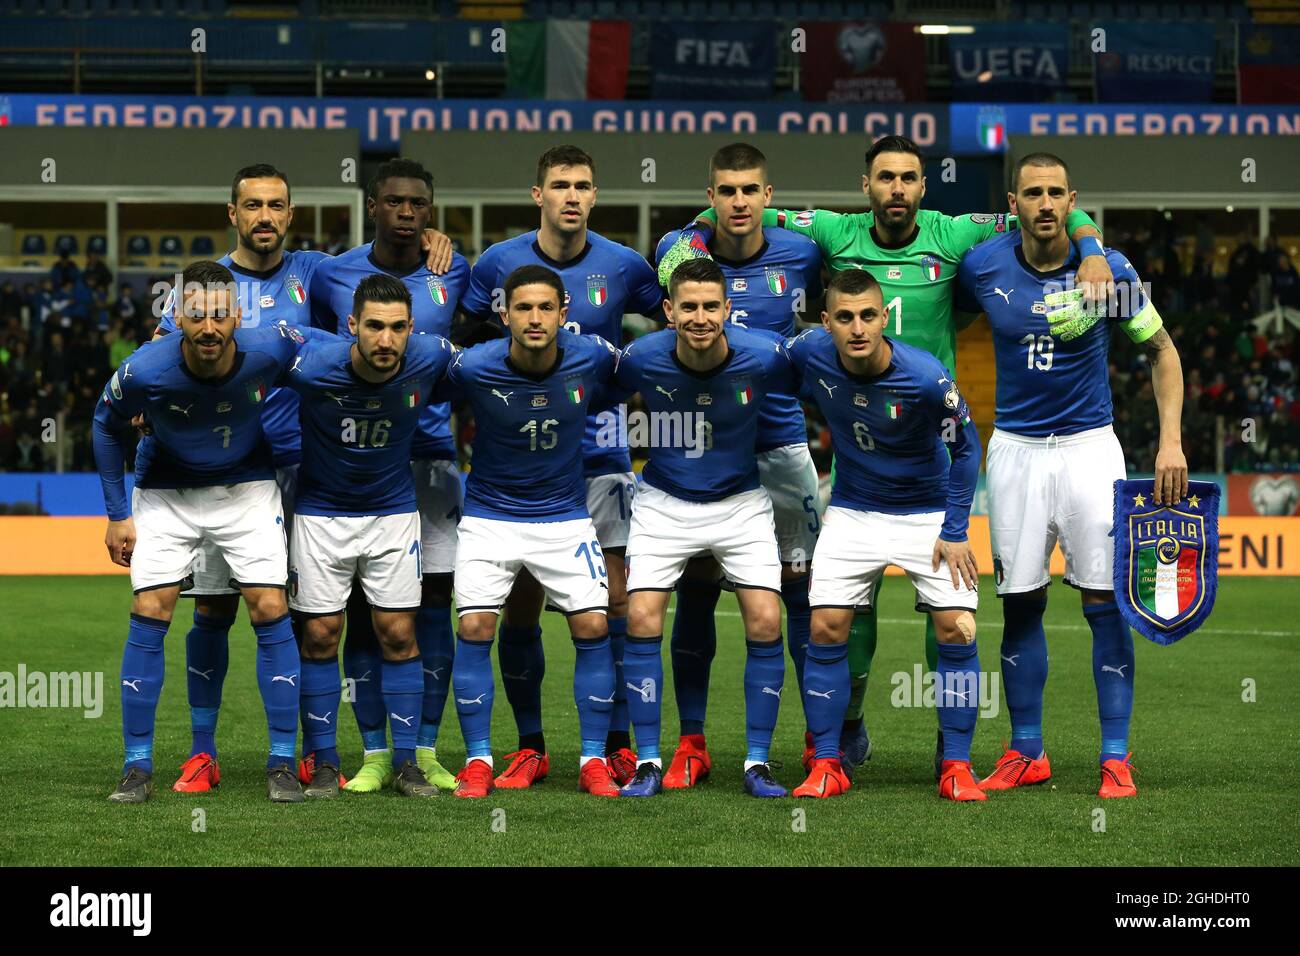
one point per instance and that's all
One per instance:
(62, 336)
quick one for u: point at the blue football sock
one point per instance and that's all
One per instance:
(278, 674)
(363, 667)
(523, 665)
(764, 677)
(1024, 671)
(619, 722)
(207, 656)
(957, 697)
(1112, 671)
(319, 707)
(142, 680)
(437, 640)
(593, 692)
(798, 628)
(403, 695)
(471, 680)
(825, 695)
(643, 678)
(693, 645)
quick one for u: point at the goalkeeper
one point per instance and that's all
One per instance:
(914, 254)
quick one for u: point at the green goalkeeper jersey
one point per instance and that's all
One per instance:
(916, 278)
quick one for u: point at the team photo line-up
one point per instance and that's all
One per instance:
(295, 448)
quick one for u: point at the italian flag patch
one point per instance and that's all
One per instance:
(575, 393)
(894, 409)
(745, 395)
(256, 392)
(413, 397)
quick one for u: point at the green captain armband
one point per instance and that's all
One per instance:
(1143, 325)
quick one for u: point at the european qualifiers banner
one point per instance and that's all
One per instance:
(864, 62)
(1012, 62)
(725, 60)
(1155, 63)
(381, 122)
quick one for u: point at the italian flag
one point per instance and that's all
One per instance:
(413, 398)
(569, 59)
(894, 408)
(256, 392)
(1167, 589)
(744, 395)
(575, 394)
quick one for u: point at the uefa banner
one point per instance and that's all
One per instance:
(1276, 494)
(1011, 62)
(1156, 63)
(704, 60)
(862, 62)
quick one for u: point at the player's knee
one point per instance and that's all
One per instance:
(153, 604)
(956, 628)
(320, 637)
(477, 627)
(588, 626)
(764, 624)
(219, 606)
(265, 604)
(643, 622)
(826, 630)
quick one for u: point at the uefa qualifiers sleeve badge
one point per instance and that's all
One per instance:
(1166, 558)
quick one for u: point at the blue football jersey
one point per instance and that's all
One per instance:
(715, 414)
(601, 284)
(205, 432)
(1047, 385)
(888, 432)
(528, 438)
(764, 291)
(434, 301)
(357, 435)
(275, 297)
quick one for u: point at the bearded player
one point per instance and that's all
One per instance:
(914, 255)
(399, 202)
(602, 280)
(771, 274)
(1054, 458)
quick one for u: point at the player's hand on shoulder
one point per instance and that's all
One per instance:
(960, 559)
(438, 251)
(120, 541)
(1096, 280)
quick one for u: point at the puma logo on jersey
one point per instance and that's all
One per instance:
(133, 684)
(287, 678)
(830, 389)
(664, 391)
(601, 700)
(297, 360)
(827, 695)
(1006, 296)
(774, 693)
(323, 720)
(406, 721)
(184, 411)
(434, 673)
(505, 398)
(1011, 660)
(336, 398)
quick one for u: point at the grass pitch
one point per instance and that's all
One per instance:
(1215, 772)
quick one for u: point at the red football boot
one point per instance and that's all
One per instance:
(307, 767)
(475, 780)
(827, 779)
(622, 765)
(527, 767)
(1014, 769)
(199, 774)
(956, 782)
(691, 763)
(1117, 779)
(596, 779)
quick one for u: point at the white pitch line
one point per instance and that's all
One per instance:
(1067, 627)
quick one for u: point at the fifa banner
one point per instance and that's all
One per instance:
(1014, 62)
(984, 127)
(1268, 69)
(1155, 63)
(1166, 558)
(712, 60)
(862, 62)
(381, 122)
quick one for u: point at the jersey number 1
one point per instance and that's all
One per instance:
(896, 303)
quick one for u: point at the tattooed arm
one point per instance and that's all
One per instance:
(1167, 381)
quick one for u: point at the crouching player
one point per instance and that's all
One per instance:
(356, 516)
(526, 508)
(204, 482)
(704, 381)
(895, 416)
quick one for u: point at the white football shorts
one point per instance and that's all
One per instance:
(563, 556)
(855, 547)
(211, 573)
(668, 531)
(1045, 490)
(790, 479)
(327, 552)
(241, 526)
(440, 497)
(609, 502)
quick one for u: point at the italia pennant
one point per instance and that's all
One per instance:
(1166, 558)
